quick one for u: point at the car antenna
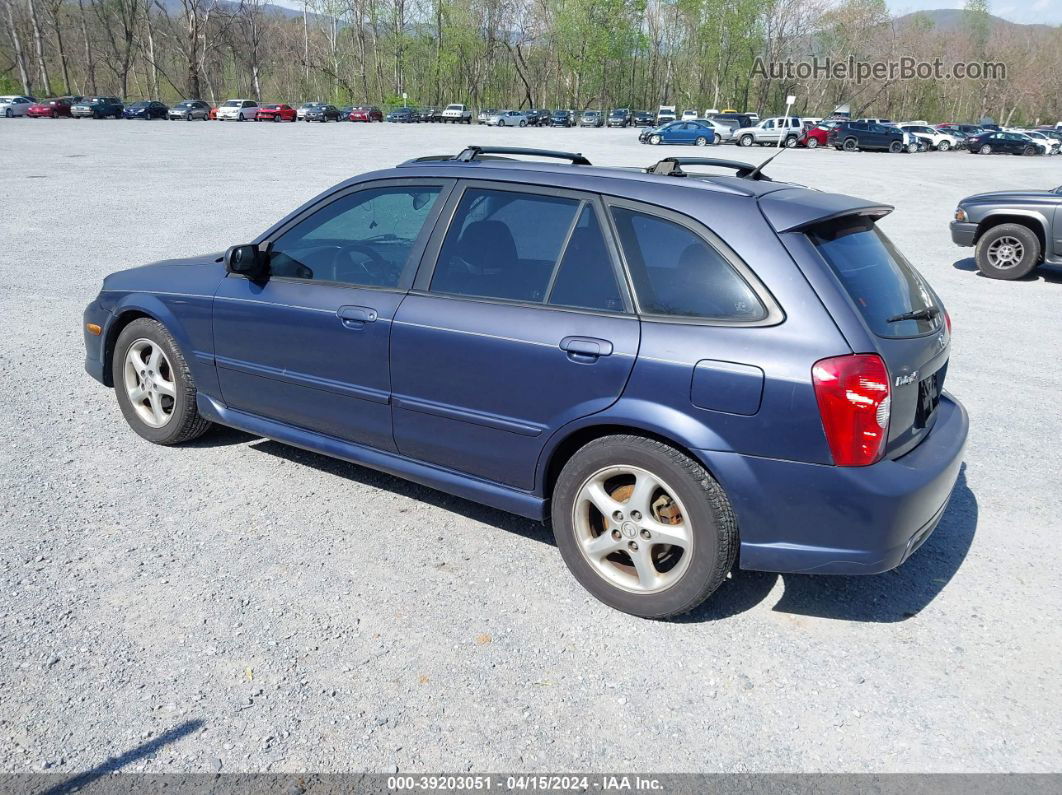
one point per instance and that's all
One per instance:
(755, 173)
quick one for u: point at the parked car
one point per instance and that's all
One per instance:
(322, 113)
(562, 118)
(456, 113)
(508, 118)
(724, 129)
(300, 114)
(665, 113)
(697, 133)
(689, 115)
(643, 118)
(539, 117)
(1010, 143)
(939, 139)
(962, 132)
(365, 113)
(620, 117)
(852, 136)
(403, 115)
(97, 108)
(145, 109)
(484, 114)
(1049, 143)
(817, 135)
(742, 119)
(592, 118)
(874, 121)
(189, 109)
(770, 131)
(1013, 231)
(276, 112)
(51, 108)
(772, 364)
(13, 105)
(237, 110)
(213, 113)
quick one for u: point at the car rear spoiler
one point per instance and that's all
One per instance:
(793, 209)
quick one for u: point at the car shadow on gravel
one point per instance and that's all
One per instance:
(115, 763)
(894, 596)
(1045, 273)
(414, 491)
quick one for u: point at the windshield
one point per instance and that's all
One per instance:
(455, 107)
(879, 279)
(232, 103)
(140, 104)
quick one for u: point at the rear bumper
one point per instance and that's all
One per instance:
(963, 233)
(797, 517)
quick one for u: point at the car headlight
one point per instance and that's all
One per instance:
(960, 214)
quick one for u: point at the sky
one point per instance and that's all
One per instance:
(1045, 12)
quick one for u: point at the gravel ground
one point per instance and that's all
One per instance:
(233, 605)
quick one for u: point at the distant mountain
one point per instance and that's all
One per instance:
(949, 20)
(174, 8)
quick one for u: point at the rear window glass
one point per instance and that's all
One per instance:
(882, 283)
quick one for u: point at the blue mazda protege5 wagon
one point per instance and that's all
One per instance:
(674, 366)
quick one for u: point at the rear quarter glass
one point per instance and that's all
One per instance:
(878, 278)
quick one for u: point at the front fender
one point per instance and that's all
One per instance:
(188, 318)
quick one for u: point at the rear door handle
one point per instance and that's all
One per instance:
(585, 349)
(355, 317)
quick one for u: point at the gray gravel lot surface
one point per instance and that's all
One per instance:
(286, 612)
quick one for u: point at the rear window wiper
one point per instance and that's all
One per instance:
(928, 313)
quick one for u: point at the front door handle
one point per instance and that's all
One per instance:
(585, 349)
(355, 317)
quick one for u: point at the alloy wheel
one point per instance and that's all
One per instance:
(149, 383)
(1005, 253)
(632, 529)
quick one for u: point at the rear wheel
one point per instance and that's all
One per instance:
(746, 140)
(702, 141)
(154, 386)
(812, 143)
(850, 144)
(642, 526)
(791, 141)
(895, 147)
(1008, 251)
(985, 150)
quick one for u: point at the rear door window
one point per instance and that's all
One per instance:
(678, 273)
(881, 282)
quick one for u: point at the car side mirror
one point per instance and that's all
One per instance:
(246, 260)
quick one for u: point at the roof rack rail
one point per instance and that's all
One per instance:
(672, 167)
(474, 152)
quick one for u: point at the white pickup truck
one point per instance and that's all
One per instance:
(457, 114)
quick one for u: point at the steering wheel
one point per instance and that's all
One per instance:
(371, 266)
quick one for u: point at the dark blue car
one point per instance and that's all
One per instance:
(695, 132)
(670, 365)
(145, 109)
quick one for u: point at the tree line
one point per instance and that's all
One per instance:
(527, 53)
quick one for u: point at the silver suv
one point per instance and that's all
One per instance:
(769, 131)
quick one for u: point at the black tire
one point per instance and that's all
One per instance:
(985, 150)
(1030, 150)
(850, 144)
(701, 141)
(746, 140)
(895, 147)
(790, 142)
(813, 143)
(943, 146)
(713, 527)
(185, 423)
(1030, 252)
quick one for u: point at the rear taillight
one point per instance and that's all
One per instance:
(854, 403)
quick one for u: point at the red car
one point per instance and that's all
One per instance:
(213, 115)
(54, 108)
(276, 113)
(365, 113)
(815, 137)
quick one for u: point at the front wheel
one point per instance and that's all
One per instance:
(851, 144)
(943, 146)
(523, 123)
(746, 140)
(812, 143)
(985, 150)
(895, 147)
(1007, 251)
(1030, 150)
(154, 386)
(642, 526)
(654, 140)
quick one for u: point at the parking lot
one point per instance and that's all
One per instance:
(238, 605)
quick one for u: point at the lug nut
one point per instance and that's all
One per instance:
(633, 546)
(617, 515)
(645, 534)
(636, 516)
(616, 534)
